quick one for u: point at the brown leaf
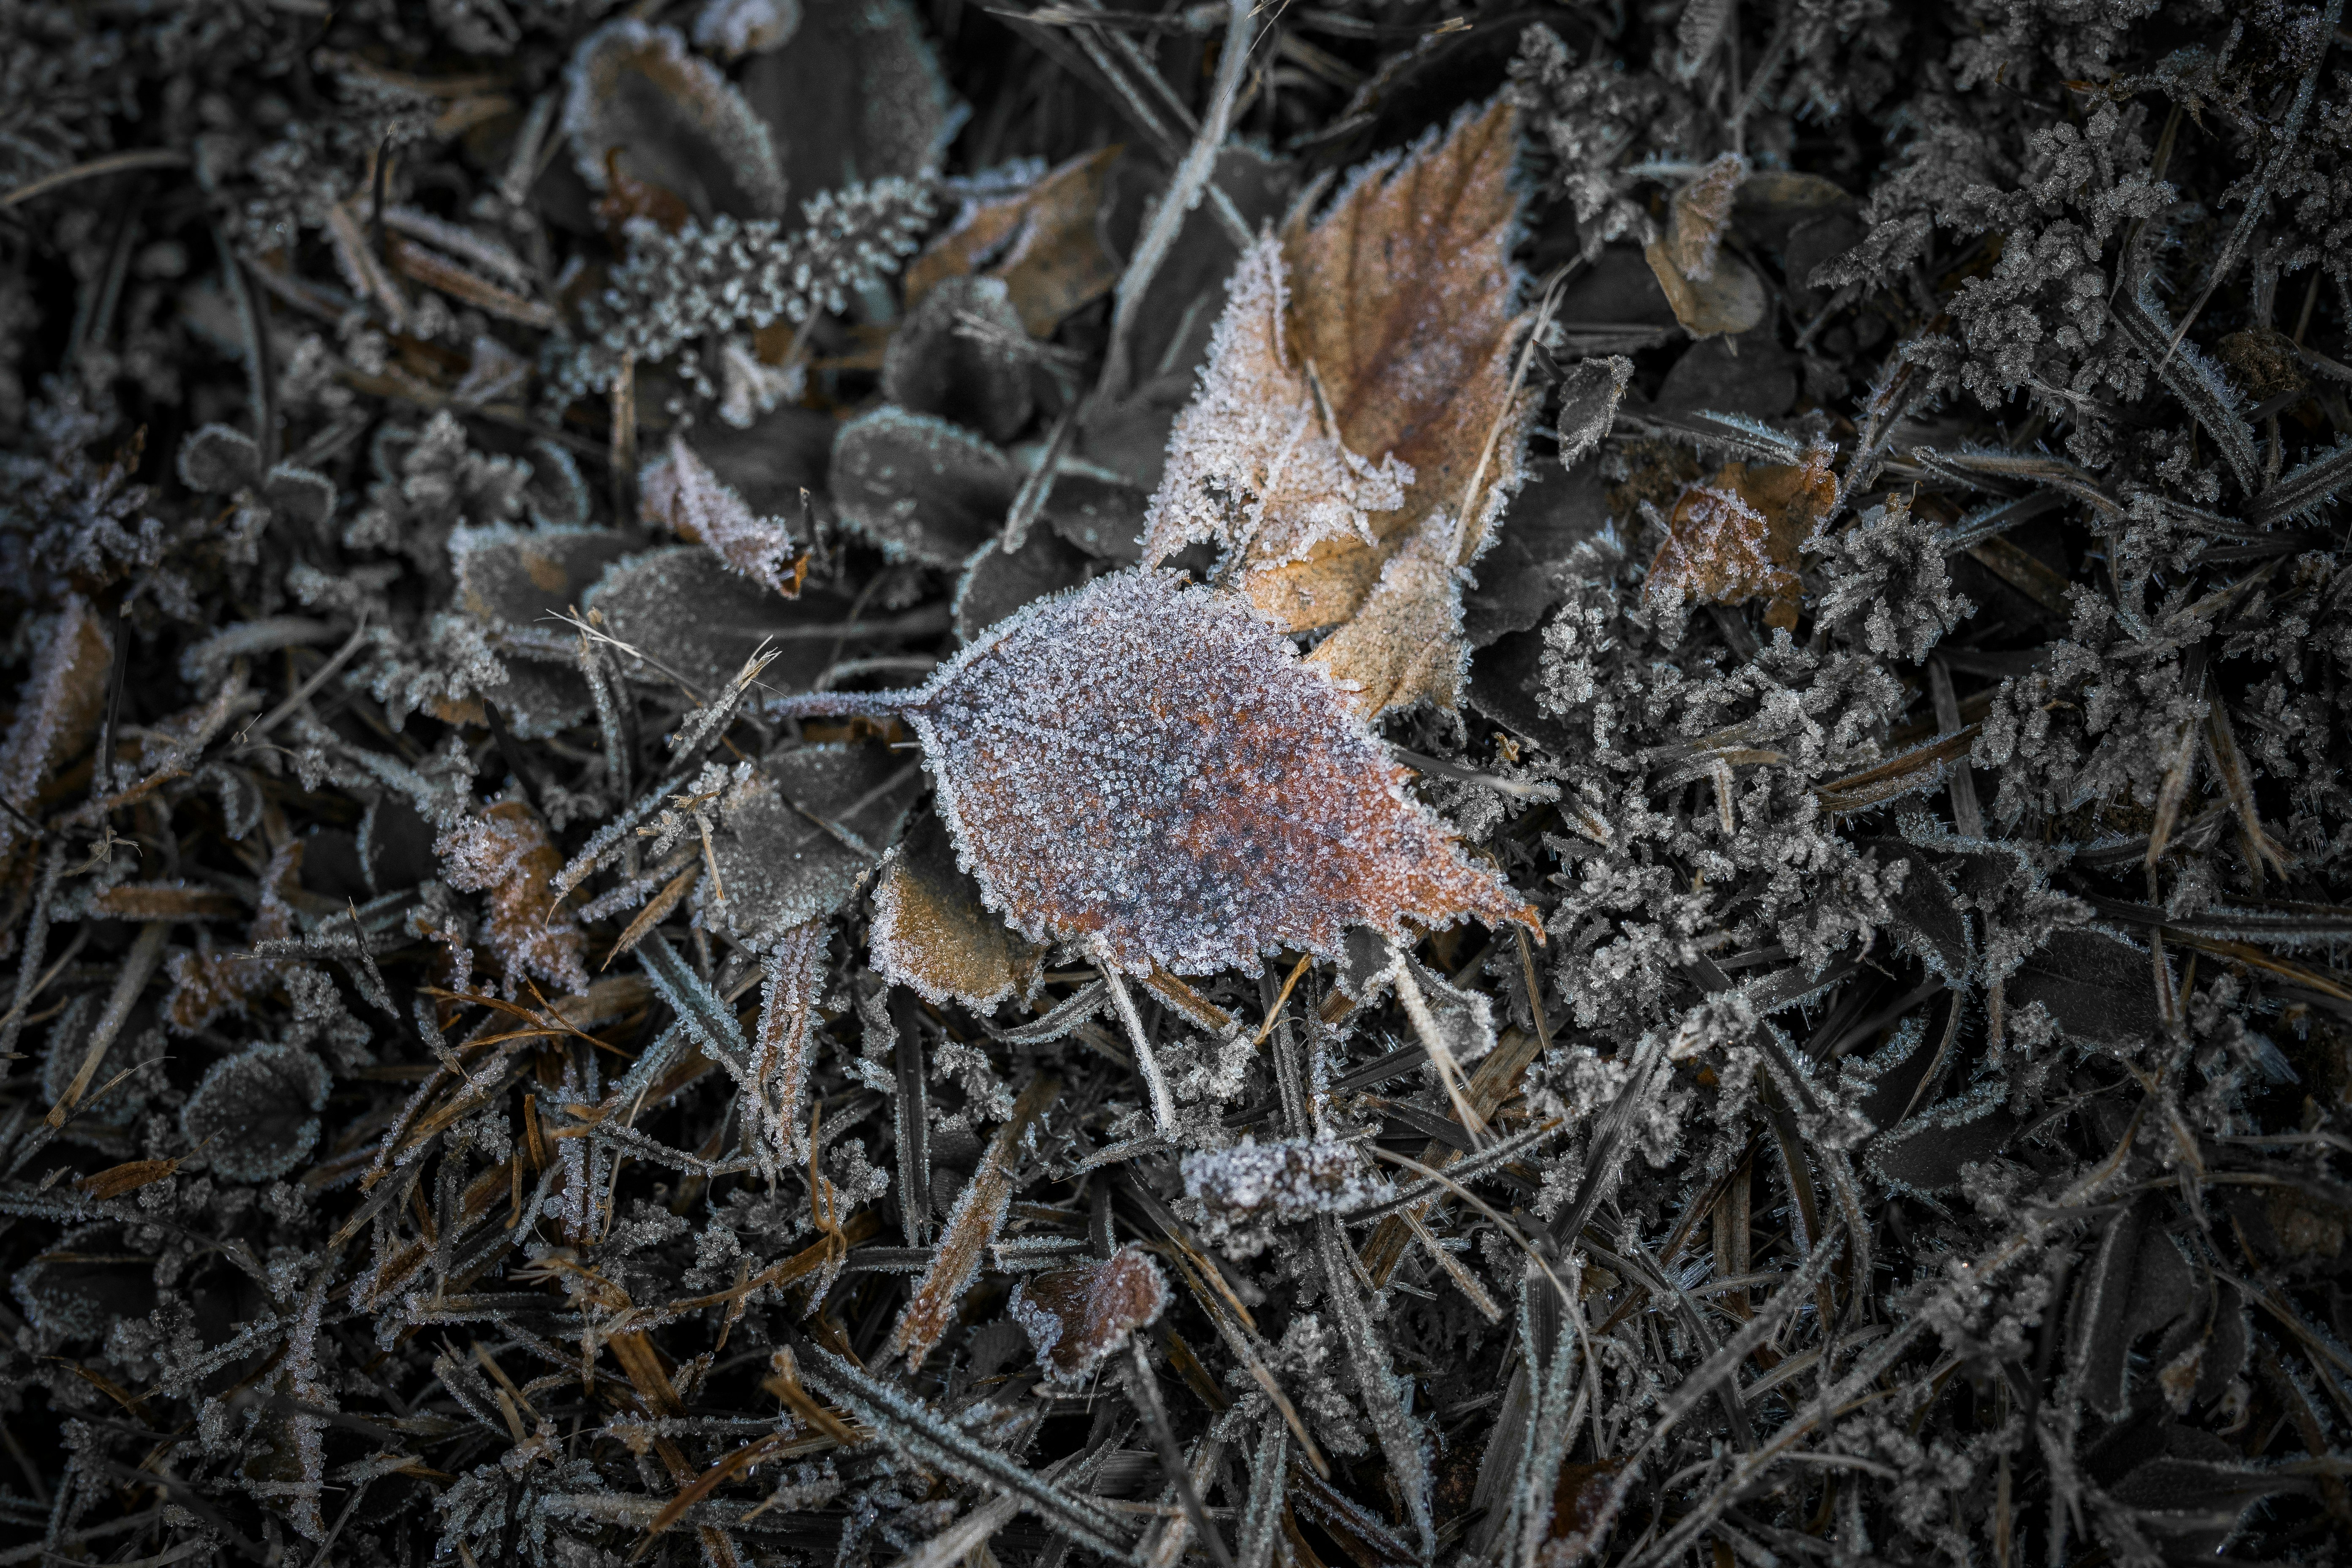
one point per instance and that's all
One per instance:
(206, 983)
(1738, 536)
(57, 707)
(932, 930)
(1077, 1317)
(506, 853)
(1701, 212)
(972, 1223)
(1730, 300)
(680, 491)
(1358, 388)
(1047, 244)
(1148, 769)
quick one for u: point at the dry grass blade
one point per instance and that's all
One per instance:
(971, 1226)
(907, 1424)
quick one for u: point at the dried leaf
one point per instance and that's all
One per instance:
(505, 853)
(119, 1181)
(932, 932)
(1077, 1317)
(1738, 536)
(165, 901)
(682, 493)
(1358, 385)
(675, 121)
(1047, 244)
(208, 984)
(1147, 768)
(1710, 293)
(971, 1226)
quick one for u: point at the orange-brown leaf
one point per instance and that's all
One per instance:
(506, 854)
(128, 1177)
(1077, 1317)
(1359, 387)
(932, 929)
(1046, 244)
(1150, 769)
(1738, 536)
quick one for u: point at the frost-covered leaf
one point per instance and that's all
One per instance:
(695, 621)
(57, 707)
(994, 584)
(681, 493)
(962, 356)
(732, 28)
(256, 1113)
(1359, 388)
(1711, 292)
(1589, 392)
(919, 488)
(2098, 988)
(505, 853)
(1150, 770)
(89, 1282)
(793, 839)
(1075, 1317)
(1928, 1153)
(2134, 1283)
(933, 931)
(1282, 1181)
(1738, 537)
(1046, 244)
(674, 121)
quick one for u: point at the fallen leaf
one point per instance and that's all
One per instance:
(994, 583)
(165, 901)
(1358, 388)
(258, 1111)
(677, 122)
(932, 932)
(682, 493)
(793, 842)
(1046, 244)
(1150, 770)
(1077, 1317)
(919, 488)
(1589, 392)
(506, 852)
(857, 94)
(117, 1181)
(1738, 536)
(1709, 293)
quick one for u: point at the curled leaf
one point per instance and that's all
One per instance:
(1075, 1317)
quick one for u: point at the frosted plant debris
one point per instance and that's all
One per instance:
(1912, 718)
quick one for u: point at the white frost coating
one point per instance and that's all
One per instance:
(1253, 462)
(676, 91)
